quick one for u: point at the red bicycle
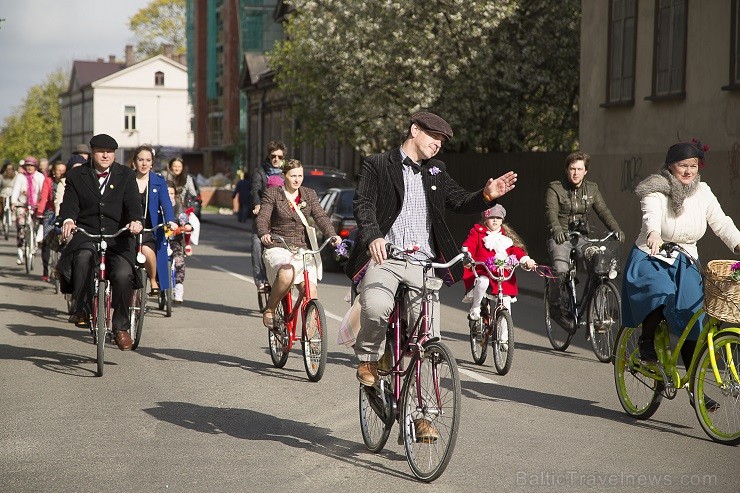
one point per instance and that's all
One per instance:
(283, 334)
(100, 326)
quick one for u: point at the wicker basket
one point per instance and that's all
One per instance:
(721, 295)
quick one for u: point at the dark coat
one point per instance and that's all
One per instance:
(119, 204)
(378, 202)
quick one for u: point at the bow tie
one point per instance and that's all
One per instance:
(411, 164)
(103, 174)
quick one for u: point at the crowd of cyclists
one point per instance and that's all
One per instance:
(400, 199)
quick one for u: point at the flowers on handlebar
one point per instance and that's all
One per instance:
(735, 272)
(494, 263)
(343, 248)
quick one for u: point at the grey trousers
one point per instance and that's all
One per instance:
(378, 290)
(560, 256)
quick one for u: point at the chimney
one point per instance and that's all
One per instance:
(100, 60)
(129, 55)
(167, 48)
(112, 58)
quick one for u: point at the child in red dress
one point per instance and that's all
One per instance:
(490, 239)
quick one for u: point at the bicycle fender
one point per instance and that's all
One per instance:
(432, 339)
(726, 331)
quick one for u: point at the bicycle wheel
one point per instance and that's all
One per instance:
(278, 337)
(559, 337)
(70, 303)
(639, 394)
(27, 249)
(503, 342)
(430, 414)
(167, 302)
(100, 325)
(6, 223)
(603, 320)
(377, 411)
(721, 424)
(138, 310)
(315, 341)
(479, 335)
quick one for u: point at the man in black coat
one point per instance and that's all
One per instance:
(401, 198)
(101, 197)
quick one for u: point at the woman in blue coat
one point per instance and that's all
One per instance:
(157, 207)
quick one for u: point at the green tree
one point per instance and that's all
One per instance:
(35, 126)
(504, 73)
(160, 22)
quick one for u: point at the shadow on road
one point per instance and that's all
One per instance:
(247, 424)
(64, 363)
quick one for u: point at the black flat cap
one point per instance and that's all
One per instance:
(684, 150)
(103, 141)
(432, 122)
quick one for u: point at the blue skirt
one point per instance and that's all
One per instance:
(648, 283)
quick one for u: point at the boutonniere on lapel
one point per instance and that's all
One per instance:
(302, 204)
(111, 186)
(434, 171)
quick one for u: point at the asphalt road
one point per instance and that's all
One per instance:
(199, 406)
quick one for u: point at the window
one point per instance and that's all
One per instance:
(621, 49)
(669, 52)
(129, 118)
(734, 48)
(159, 78)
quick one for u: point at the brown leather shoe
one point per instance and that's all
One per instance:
(123, 340)
(425, 431)
(367, 373)
(80, 319)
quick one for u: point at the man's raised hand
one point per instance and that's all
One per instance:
(500, 186)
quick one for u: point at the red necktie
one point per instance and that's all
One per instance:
(103, 174)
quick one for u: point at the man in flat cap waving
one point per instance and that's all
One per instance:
(101, 197)
(400, 199)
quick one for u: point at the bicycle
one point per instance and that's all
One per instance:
(600, 300)
(7, 217)
(165, 295)
(495, 323)
(282, 335)
(262, 296)
(28, 238)
(712, 378)
(137, 307)
(431, 383)
(100, 326)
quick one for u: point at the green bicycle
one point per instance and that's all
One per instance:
(712, 379)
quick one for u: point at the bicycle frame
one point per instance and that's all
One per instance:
(500, 279)
(411, 343)
(592, 280)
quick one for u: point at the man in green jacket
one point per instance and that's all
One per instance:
(567, 206)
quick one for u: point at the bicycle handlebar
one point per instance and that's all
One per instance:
(502, 268)
(407, 254)
(100, 237)
(301, 251)
(578, 234)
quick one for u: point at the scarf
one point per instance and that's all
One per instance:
(498, 243)
(30, 196)
(670, 186)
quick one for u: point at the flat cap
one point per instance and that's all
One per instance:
(103, 141)
(30, 161)
(81, 149)
(432, 122)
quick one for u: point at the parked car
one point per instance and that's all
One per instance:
(322, 178)
(337, 202)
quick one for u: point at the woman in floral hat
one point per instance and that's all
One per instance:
(284, 211)
(491, 242)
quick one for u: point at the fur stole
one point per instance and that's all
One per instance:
(670, 186)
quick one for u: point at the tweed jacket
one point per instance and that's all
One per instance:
(276, 216)
(119, 204)
(378, 201)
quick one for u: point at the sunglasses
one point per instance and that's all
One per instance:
(276, 156)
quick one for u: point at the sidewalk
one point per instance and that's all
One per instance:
(529, 284)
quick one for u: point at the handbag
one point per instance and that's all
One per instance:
(312, 239)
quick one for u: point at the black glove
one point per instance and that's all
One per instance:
(560, 237)
(620, 235)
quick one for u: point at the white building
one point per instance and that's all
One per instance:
(135, 103)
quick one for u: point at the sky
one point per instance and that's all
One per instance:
(38, 37)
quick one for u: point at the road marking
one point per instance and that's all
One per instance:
(250, 279)
(476, 376)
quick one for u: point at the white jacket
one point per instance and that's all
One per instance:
(700, 209)
(20, 188)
